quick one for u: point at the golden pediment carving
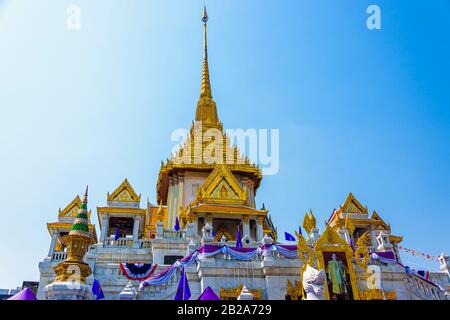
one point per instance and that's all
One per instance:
(222, 187)
(124, 193)
(352, 205)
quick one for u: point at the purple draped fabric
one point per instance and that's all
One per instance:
(208, 248)
(208, 294)
(288, 246)
(386, 255)
(25, 294)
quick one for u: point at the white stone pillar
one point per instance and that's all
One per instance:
(53, 243)
(136, 222)
(105, 227)
(190, 230)
(160, 229)
(259, 229)
(246, 226)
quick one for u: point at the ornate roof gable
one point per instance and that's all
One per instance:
(71, 210)
(124, 193)
(381, 224)
(222, 187)
(352, 205)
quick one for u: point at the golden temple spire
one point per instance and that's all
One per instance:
(206, 84)
(206, 108)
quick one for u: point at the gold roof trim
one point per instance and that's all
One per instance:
(206, 208)
(121, 210)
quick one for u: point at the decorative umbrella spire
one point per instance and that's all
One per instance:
(77, 242)
(80, 226)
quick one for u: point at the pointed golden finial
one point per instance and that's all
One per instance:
(206, 84)
(206, 108)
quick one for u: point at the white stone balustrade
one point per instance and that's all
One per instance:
(172, 234)
(121, 242)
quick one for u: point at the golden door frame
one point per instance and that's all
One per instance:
(330, 241)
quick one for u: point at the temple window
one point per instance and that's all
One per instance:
(123, 225)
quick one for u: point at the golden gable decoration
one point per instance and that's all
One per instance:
(352, 205)
(71, 210)
(222, 187)
(124, 193)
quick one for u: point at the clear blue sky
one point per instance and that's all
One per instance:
(358, 110)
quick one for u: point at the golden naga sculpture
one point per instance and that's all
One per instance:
(77, 242)
(305, 253)
(349, 225)
(362, 250)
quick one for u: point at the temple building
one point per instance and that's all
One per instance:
(204, 225)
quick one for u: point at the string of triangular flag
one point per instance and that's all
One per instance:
(418, 253)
